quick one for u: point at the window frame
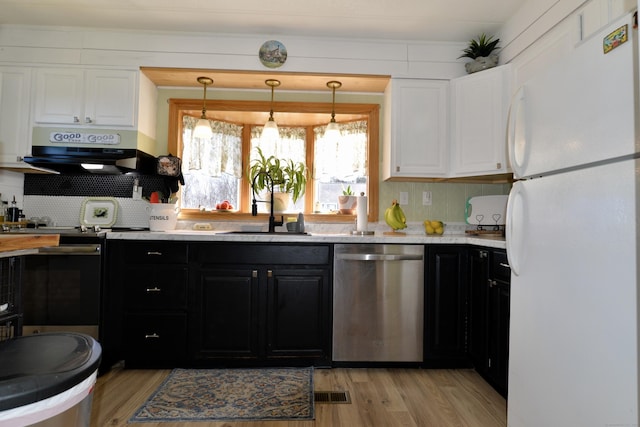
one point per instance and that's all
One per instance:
(193, 107)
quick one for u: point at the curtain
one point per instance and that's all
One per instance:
(345, 158)
(291, 145)
(212, 157)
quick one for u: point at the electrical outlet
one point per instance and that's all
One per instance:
(404, 198)
(426, 198)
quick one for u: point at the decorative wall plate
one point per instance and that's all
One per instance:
(272, 54)
(101, 211)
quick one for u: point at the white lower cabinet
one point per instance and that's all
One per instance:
(15, 97)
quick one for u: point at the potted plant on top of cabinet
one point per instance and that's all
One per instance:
(288, 177)
(482, 51)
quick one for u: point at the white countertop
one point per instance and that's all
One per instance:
(313, 237)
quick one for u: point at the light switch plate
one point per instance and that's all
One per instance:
(426, 198)
(404, 198)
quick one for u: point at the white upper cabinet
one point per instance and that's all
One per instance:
(15, 129)
(479, 106)
(86, 98)
(415, 129)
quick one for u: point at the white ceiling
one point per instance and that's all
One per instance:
(427, 20)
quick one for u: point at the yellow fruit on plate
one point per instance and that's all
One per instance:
(429, 229)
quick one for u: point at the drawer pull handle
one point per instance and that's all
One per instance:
(154, 335)
(154, 289)
(154, 253)
(505, 265)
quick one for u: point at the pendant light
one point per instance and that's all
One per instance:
(270, 129)
(332, 132)
(203, 127)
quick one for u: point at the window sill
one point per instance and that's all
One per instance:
(192, 214)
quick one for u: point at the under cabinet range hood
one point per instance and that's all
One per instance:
(106, 161)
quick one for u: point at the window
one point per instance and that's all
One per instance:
(216, 174)
(212, 169)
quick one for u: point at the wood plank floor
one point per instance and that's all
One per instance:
(380, 397)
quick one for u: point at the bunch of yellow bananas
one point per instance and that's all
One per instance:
(394, 216)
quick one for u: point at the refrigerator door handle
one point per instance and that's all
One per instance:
(516, 133)
(516, 218)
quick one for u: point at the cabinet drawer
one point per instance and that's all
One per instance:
(155, 337)
(211, 253)
(155, 253)
(500, 266)
(156, 288)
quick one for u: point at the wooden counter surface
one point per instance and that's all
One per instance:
(17, 242)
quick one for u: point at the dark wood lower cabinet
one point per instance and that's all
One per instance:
(446, 306)
(218, 304)
(261, 306)
(224, 313)
(489, 313)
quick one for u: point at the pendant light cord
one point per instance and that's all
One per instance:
(204, 81)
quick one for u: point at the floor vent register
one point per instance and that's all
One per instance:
(332, 397)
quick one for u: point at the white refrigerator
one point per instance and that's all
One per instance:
(572, 238)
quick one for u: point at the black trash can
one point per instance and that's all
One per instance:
(48, 379)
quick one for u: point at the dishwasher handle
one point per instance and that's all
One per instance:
(380, 257)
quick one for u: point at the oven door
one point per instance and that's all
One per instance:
(61, 289)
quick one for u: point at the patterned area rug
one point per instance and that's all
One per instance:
(231, 395)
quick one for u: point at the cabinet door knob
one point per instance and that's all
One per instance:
(154, 289)
(153, 335)
(88, 120)
(154, 253)
(505, 265)
(76, 119)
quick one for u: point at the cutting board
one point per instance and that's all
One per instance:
(486, 210)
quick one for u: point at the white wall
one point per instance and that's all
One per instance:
(12, 184)
(132, 49)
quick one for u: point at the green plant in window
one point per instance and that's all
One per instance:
(288, 176)
(347, 191)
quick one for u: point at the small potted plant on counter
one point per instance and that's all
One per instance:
(348, 202)
(482, 51)
(289, 178)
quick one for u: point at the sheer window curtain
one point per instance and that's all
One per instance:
(291, 145)
(222, 153)
(345, 158)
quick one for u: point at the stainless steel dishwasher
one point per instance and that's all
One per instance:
(378, 303)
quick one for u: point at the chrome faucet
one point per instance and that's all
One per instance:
(254, 204)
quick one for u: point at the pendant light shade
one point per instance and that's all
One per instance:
(270, 130)
(332, 132)
(203, 127)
